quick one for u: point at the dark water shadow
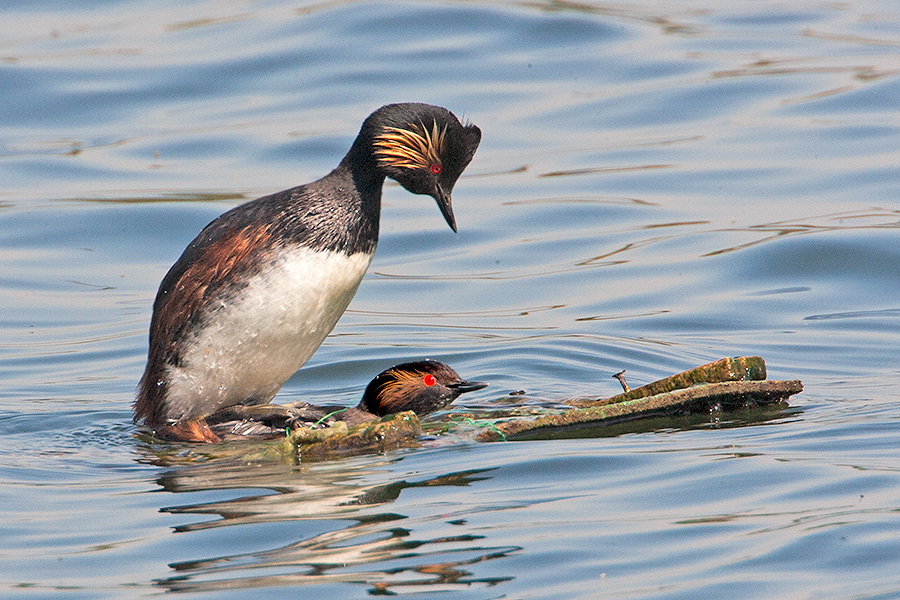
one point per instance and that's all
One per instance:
(778, 412)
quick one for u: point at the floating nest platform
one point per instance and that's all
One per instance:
(401, 430)
(725, 385)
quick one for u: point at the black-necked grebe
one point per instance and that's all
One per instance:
(423, 387)
(255, 294)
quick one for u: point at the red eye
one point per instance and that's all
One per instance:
(429, 380)
(437, 169)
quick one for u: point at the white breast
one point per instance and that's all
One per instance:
(251, 345)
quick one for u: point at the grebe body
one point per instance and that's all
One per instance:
(255, 294)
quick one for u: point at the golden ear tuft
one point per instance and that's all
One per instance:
(413, 148)
(404, 384)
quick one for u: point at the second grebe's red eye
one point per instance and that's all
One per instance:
(429, 380)
(437, 169)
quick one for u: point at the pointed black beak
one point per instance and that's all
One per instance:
(461, 387)
(443, 202)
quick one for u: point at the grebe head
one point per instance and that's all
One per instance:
(424, 148)
(422, 386)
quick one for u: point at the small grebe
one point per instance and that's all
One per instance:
(422, 386)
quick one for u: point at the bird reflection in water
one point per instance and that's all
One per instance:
(378, 549)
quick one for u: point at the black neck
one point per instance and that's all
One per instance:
(339, 212)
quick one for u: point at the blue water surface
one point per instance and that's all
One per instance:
(659, 185)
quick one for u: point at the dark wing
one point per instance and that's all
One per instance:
(219, 252)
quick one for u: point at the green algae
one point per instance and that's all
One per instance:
(741, 368)
(400, 430)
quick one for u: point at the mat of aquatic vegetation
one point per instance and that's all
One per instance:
(726, 385)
